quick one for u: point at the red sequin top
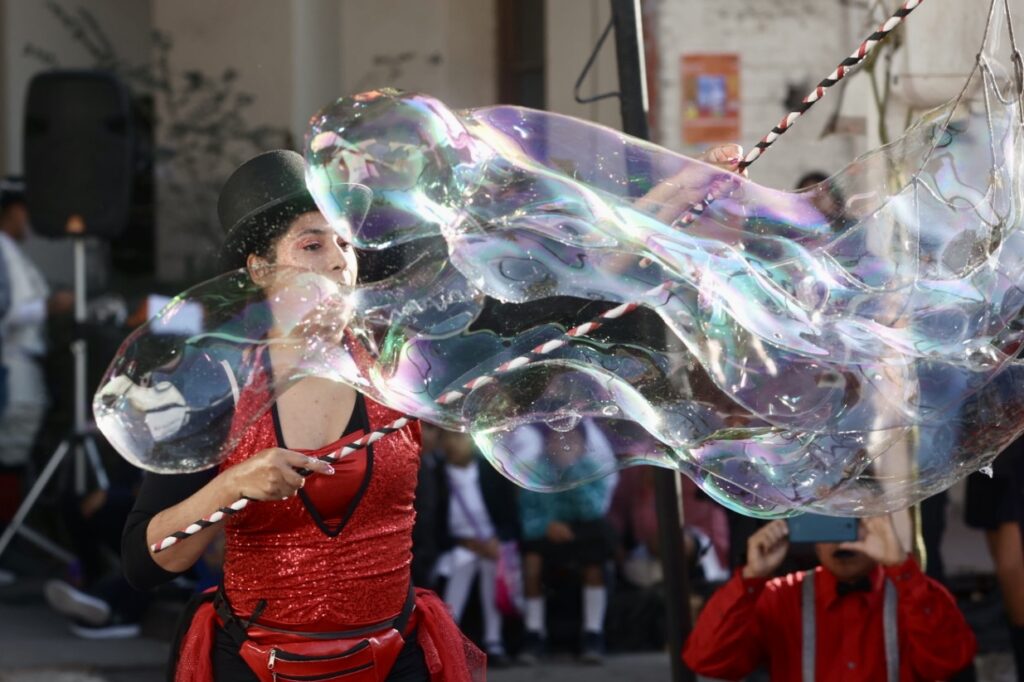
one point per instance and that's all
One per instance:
(351, 566)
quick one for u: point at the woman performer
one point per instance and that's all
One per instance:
(317, 577)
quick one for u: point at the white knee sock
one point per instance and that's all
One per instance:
(595, 601)
(535, 614)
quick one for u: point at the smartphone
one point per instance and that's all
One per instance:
(818, 528)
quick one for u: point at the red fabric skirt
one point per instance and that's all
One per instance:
(449, 655)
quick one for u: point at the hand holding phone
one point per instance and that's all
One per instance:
(766, 549)
(879, 542)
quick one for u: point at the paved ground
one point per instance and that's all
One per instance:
(35, 646)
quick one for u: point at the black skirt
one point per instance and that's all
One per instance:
(593, 544)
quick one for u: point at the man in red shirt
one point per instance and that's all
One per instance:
(876, 616)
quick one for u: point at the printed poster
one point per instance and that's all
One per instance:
(711, 98)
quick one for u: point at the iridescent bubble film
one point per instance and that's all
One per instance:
(848, 349)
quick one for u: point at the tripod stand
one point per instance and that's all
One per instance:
(80, 442)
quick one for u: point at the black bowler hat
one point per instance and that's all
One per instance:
(259, 201)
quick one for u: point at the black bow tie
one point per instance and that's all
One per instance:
(862, 585)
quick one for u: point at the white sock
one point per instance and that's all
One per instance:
(595, 600)
(535, 614)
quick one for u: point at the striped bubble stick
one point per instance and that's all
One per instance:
(847, 66)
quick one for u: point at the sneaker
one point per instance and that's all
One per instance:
(592, 651)
(111, 630)
(533, 648)
(71, 602)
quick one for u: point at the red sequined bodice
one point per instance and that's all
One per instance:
(276, 551)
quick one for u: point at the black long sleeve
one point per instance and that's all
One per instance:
(158, 492)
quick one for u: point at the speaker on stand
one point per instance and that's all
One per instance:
(78, 164)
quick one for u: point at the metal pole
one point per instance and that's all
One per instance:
(26, 506)
(86, 454)
(629, 47)
(78, 351)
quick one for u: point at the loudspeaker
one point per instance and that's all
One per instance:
(78, 153)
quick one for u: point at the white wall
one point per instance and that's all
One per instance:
(316, 59)
(779, 42)
(572, 31)
(446, 48)
(296, 56)
(939, 52)
(801, 41)
(213, 36)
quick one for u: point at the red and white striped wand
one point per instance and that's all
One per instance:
(847, 66)
(538, 353)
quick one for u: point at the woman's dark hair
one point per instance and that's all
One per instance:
(812, 178)
(259, 234)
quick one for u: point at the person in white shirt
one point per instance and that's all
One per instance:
(480, 513)
(23, 330)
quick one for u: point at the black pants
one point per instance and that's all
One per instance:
(593, 544)
(228, 665)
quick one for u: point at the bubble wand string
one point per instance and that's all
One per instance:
(847, 66)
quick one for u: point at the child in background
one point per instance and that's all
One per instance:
(480, 509)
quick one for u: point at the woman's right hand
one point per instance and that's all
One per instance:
(272, 474)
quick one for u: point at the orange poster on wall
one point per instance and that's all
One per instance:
(711, 98)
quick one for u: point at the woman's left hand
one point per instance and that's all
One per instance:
(725, 156)
(672, 198)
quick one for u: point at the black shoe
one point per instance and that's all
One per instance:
(498, 659)
(115, 628)
(533, 648)
(592, 650)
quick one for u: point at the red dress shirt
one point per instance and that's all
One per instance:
(752, 622)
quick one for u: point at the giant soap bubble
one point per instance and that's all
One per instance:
(849, 349)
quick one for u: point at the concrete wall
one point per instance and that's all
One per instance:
(941, 43)
(295, 57)
(212, 37)
(798, 42)
(572, 31)
(444, 48)
(781, 43)
(316, 59)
